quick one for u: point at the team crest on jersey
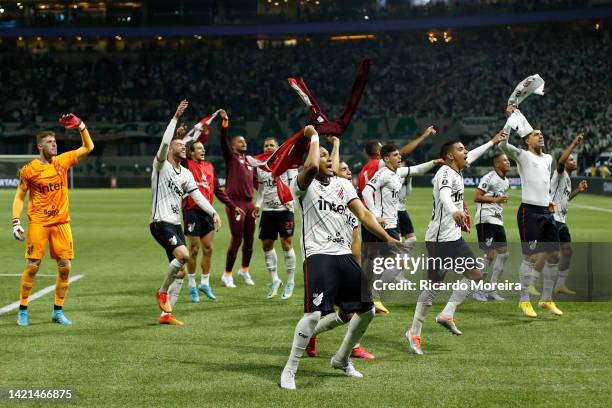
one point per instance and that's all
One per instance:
(59, 171)
(341, 194)
(318, 298)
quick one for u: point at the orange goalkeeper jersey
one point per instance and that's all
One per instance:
(48, 185)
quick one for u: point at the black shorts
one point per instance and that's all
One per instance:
(169, 236)
(197, 223)
(537, 229)
(335, 280)
(491, 236)
(564, 233)
(443, 256)
(404, 223)
(276, 223)
(367, 236)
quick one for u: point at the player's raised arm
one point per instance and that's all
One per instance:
(370, 222)
(474, 154)
(311, 165)
(71, 121)
(410, 147)
(582, 187)
(226, 144)
(568, 152)
(335, 153)
(419, 169)
(162, 153)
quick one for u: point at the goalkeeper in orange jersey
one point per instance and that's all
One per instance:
(49, 219)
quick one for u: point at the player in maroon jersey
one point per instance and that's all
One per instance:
(240, 180)
(199, 227)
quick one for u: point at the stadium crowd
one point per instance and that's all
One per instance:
(471, 75)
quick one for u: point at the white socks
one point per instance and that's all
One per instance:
(527, 276)
(271, 264)
(356, 327)
(173, 269)
(498, 266)
(456, 298)
(562, 277)
(174, 291)
(204, 280)
(192, 280)
(550, 272)
(328, 322)
(290, 265)
(303, 333)
(423, 305)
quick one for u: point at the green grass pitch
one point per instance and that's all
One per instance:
(231, 351)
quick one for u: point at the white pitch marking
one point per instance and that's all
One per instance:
(585, 207)
(37, 295)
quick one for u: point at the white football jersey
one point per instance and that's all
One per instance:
(404, 193)
(535, 174)
(267, 189)
(327, 223)
(386, 184)
(493, 186)
(168, 187)
(442, 227)
(560, 190)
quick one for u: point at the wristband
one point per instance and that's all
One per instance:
(82, 126)
(314, 139)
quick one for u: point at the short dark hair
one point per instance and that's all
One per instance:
(270, 138)
(369, 148)
(387, 149)
(446, 147)
(43, 134)
(496, 156)
(235, 137)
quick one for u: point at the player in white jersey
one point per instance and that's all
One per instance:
(170, 182)
(562, 194)
(443, 238)
(276, 221)
(381, 193)
(332, 276)
(490, 197)
(404, 223)
(537, 229)
(339, 317)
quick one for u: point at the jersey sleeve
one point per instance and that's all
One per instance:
(485, 182)
(24, 178)
(295, 189)
(68, 159)
(349, 189)
(443, 179)
(190, 183)
(378, 181)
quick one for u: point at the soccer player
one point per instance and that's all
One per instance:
(381, 197)
(46, 178)
(562, 194)
(199, 226)
(404, 223)
(332, 276)
(338, 318)
(276, 221)
(443, 238)
(490, 197)
(537, 229)
(239, 188)
(170, 182)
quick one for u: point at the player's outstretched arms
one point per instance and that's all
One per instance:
(71, 121)
(567, 153)
(162, 153)
(369, 221)
(475, 154)
(311, 165)
(18, 201)
(411, 147)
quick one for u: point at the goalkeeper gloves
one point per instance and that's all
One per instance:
(70, 121)
(18, 231)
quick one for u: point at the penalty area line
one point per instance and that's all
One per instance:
(36, 295)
